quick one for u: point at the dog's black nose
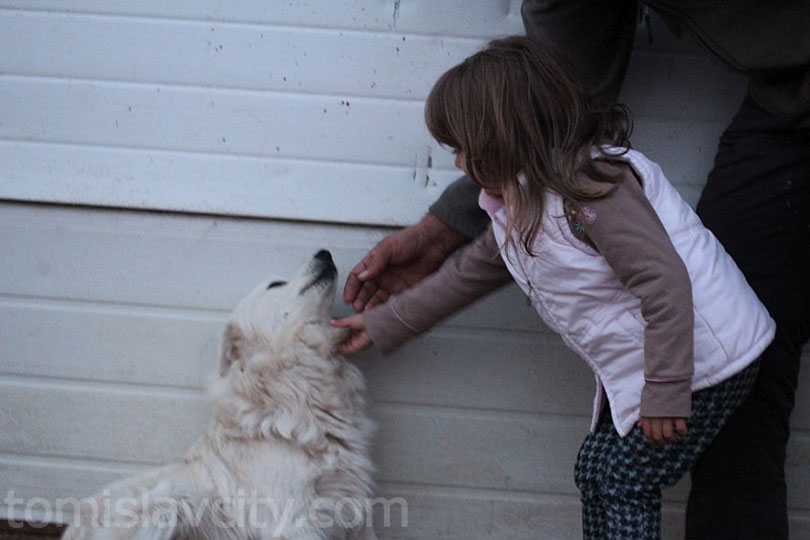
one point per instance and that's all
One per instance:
(324, 256)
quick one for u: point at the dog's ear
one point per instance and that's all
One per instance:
(233, 348)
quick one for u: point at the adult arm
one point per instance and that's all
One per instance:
(399, 261)
(458, 208)
(595, 36)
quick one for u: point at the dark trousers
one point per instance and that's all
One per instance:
(757, 203)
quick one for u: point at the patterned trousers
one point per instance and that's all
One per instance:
(621, 477)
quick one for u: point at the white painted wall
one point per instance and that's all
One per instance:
(270, 129)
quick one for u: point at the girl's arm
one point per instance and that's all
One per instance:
(628, 233)
(476, 271)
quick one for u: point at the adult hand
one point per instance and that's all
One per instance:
(399, 261)
(660, 431)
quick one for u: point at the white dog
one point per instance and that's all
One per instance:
(286, 451)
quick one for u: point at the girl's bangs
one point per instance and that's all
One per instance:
(440, 112)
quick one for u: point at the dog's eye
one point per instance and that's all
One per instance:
(276, 284)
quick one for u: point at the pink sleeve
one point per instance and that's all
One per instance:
(461, 280)
(626, 230)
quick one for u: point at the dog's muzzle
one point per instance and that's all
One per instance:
(322, 268)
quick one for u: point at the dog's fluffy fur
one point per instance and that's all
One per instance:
(286, 452)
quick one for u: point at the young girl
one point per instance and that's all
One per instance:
(610, 256)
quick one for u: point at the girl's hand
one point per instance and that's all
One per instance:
(356, 338)
(660, 431)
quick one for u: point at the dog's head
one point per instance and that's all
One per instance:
(278, 375)
(281, 314)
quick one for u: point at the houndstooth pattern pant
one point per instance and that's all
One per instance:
(621, 477)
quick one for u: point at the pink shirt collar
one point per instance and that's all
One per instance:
(488, 203)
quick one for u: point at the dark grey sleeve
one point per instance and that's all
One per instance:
(596, 37)
(458, 208)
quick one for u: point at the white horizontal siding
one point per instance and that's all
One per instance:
(108, 343)
(449, 17)
(268, 118)
(283, 59)
(236, 56)
(109, 312)
(302, 111)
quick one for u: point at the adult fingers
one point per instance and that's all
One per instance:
(377, 259)
(369, 266)
(380, 297)
(365, 294)
(351, 288)
(393, 282)
(357, 278)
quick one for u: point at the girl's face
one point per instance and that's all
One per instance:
(461, 163)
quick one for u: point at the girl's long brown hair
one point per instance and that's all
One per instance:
(525, 127)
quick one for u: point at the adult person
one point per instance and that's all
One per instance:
(756, 201)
